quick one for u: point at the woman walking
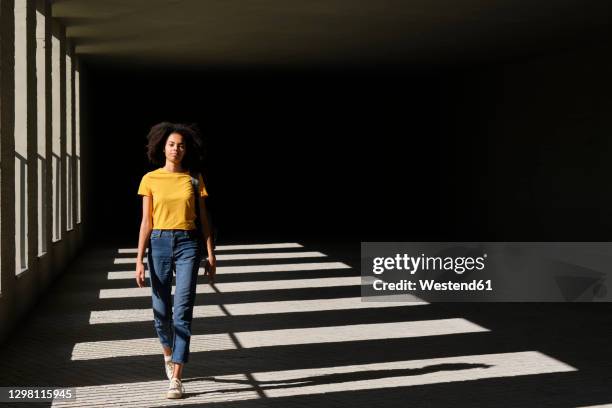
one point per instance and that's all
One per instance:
(170, 229)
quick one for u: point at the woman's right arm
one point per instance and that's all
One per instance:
(146, 225)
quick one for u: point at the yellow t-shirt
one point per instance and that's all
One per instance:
(173, 200)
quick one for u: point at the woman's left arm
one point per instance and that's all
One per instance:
(211, 264)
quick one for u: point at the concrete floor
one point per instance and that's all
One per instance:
(298, 335)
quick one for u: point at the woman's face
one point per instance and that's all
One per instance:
(175, 148)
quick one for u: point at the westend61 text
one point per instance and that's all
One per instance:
(429, 284)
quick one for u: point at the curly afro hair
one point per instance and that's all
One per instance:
(194, 145)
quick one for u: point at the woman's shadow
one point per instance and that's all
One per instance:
(335, 378)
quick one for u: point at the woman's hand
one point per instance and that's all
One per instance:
(140, 274)
(210, 268)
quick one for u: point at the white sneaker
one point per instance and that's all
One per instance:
(169, 368)
(176, 389)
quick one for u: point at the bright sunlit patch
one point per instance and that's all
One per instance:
(282, 337)
(124, 275)
(271, 255)
(241, 286)
(282, 245)
(150, 346)
(246, 309)
(240, 257)
(257, 246)
(143, 315)
(312, 266)
(296, 267)
(147, 394)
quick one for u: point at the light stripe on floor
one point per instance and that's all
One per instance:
(296, 267)
(241, 286)
(240, 257)
(258, 246)
(283, 337)
(270, 255)
(247, 309)
(312, 381)
(153, 393)
(281, 245)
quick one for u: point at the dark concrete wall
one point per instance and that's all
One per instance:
(512, 150)
(286, 149)
(534, 147)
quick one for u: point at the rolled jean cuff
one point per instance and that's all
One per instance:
(179, 360)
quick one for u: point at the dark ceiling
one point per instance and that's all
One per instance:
(314, 32)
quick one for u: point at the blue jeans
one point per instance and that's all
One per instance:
(180, 251)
